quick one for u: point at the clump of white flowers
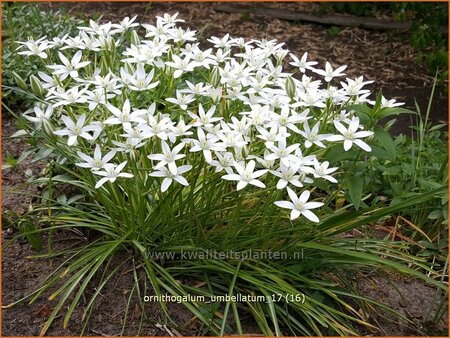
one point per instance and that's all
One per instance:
(147, 102)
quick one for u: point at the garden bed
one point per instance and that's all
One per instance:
(408, 296)
(385, 57)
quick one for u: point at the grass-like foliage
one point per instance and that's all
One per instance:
(173, 148)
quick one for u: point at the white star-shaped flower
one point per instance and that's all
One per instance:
(312, 135)
(302, 64)
(350, 135)
(124, 116)
(75, 130)
(169, 177)
(111, 172)
(97, 162)
(300, 205)
(329, 73)
(246, 175)
(168, 156)
(321, 170)
(69, 67)
(206, 143)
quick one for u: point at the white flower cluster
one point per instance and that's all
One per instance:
(161, 98)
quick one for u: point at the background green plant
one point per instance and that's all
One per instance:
(399, 168)
(19, 22)
(428, 32)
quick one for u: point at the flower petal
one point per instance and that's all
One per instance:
(241, 185)
(232, 177)
(181, 180)
(340, 127)
(311, 216)
(166, 184)
(101, 182)
(295, 214)
(285, 204)
(257, 183)
(292, 195)
(313, 205)
(304, 196)
(347, 145)
(363, 145)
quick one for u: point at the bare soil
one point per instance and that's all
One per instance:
(17, 193)
(385, 57)
(410, 297)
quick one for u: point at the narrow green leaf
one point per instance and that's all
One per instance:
(33, 237)
(375, 260)
(389, 111)
(355, 189)
(42, 154)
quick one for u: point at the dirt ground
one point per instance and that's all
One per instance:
(385, 57)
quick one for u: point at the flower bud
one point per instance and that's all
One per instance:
(129, 68)
(135, 38)
(214, 78)
(36, 86)
(111, 43)
(47, 127)
(290, 87)
(104, 66)
(19, 81)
